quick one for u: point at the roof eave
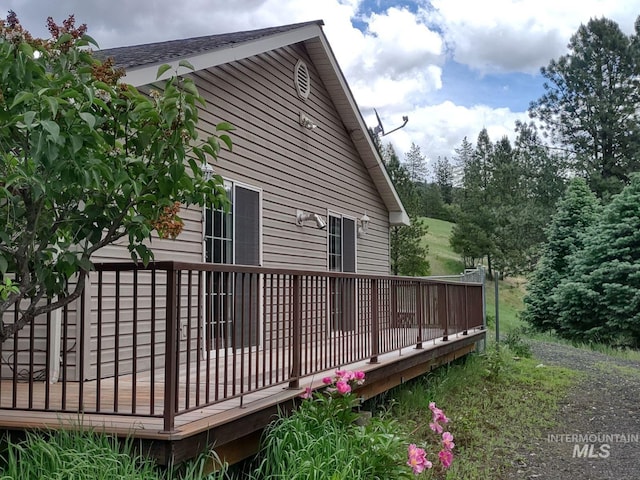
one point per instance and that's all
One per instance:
(334, 80)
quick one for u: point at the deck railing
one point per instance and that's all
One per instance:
(171, 338)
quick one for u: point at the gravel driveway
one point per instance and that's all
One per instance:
(597, 435)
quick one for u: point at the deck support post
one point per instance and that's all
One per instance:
(296, 334)
(419, 313)
(170, 367)
(443, 310)
(466, 311)
(375, 326)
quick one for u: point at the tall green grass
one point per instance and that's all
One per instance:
(309, 444)
(496, 405)
(67, 454)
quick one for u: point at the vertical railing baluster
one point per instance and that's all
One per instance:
(294, 376)
(116, 360)
(375, 322)
(170, 367)
(419, 313)
(134, 352)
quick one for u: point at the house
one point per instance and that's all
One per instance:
(291, 282)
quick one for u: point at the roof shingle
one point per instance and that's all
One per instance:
(150, 53)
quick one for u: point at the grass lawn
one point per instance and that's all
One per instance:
(443, 261)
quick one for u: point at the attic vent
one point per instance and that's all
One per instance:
(302, 80)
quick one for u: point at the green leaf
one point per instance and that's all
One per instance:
(90, 40)
(52, 127)
(64, 38)
(76, 142)
(186, 64)
(28, 118)
(224, 127)
(89, 118)
(53, 105)
(227, 141)
(26, 49)
(162, 69)
(3, 265)
(21, 98)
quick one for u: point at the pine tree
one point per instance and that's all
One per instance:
(591, 103)
(577, 211)
(600, 301)
(408, 254)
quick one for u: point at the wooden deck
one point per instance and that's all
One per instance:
(181, 370)
(225, 423)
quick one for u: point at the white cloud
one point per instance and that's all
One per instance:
(393, 65)
(439, 129)
(520, 35)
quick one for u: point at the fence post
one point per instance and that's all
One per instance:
(296, 367)
(375, 328)
(443, 311)
(170, 351)
(419, 313)
(466, 311)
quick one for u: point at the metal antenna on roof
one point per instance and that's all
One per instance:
(379, 129)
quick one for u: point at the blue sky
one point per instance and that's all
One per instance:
(452, 66)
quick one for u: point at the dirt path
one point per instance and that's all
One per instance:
(597, 435)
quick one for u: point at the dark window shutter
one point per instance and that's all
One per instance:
(348, 245)
(247, 238)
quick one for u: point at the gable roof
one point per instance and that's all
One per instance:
(142, 61)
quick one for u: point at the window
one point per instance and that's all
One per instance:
(233, 237)
(342, 244)
(342, 258)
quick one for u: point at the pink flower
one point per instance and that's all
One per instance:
(417, 459)
(341, 373)
(447, 441)
(343, 387)
(438, 415)
(347, 376)
(436, 427)
(307, 393)
(327, 380)
(446, 457)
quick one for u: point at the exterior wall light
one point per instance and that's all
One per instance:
(306, 122)
(207, 171)
(305, 217)
(364, 225)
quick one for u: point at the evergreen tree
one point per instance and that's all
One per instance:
(416, 164)
(577, 211)
(591, 103)
(408, 254)
(600, 301)
(443, 171)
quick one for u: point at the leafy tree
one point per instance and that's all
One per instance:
(600, 300)
(408, 254)
(86, 161)
(591, 103)
(577, 211)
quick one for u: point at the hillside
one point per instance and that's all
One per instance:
(446, 262)
(442, 259)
